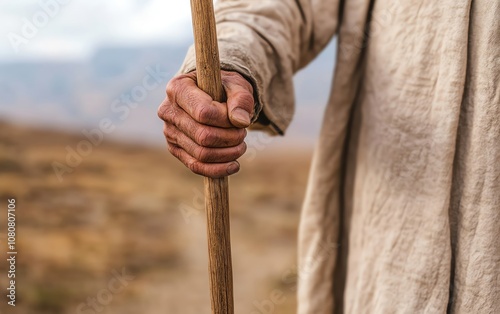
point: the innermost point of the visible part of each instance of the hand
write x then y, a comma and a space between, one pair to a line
205, 135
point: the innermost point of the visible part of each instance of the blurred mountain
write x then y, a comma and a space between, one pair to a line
79, 94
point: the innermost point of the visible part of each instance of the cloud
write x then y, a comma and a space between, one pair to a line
79, 26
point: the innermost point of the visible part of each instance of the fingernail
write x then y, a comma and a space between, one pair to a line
241, 116
233, 168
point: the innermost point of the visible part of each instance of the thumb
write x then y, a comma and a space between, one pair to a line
240, 102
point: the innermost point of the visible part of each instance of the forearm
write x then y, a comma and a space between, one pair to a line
267, 42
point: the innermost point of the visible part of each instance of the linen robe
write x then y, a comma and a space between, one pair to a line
402, 211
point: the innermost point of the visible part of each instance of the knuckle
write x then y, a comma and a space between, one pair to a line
171, 116
172, 87
172, 150
195, 167
184, 90
167, 127
204, 136
176, 86
203, 154
242, 134
169, 134
204, 114
243, 149
166, 111
161, 109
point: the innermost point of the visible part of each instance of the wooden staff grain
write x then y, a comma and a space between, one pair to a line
216, 190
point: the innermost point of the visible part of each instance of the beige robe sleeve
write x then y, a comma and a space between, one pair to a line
267, 41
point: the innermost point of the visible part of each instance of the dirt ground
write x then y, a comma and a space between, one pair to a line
124, 232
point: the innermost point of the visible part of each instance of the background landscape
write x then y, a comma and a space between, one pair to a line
128, 206
76, 94
134, 207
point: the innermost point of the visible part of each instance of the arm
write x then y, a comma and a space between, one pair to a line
262, 44
267, 42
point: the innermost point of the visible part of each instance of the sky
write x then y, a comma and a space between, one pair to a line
71, 29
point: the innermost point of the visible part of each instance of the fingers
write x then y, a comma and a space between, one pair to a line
240, 101
203, 135
238, 112
212, 170
184, 92
205, 150
201, 153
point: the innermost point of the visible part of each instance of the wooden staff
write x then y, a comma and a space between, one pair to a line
216, 190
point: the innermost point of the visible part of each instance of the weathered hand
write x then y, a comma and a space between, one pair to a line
205, 135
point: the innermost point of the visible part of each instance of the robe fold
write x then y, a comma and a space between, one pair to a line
402, 210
